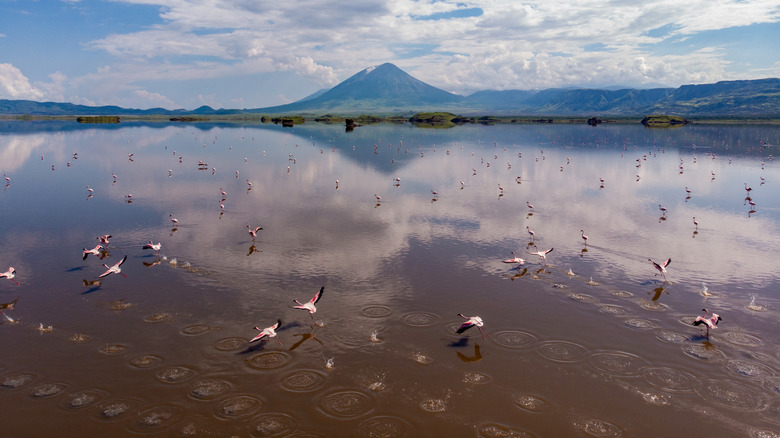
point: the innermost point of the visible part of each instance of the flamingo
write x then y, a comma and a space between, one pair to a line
268, 331
378, 198
154, 246
115, 269
500, 188
662, 208
748, 188
9, 274
529, 205
515, 259
584, 237
710, 323
174, 221
8, 180
695, 222
253, 232
104, 238
687, 190
530, 232
93, 251
222, 192
310, 306
543, 254
662, 267
434, 193
89, 189
471, 321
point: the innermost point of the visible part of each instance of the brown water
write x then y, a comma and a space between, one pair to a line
592, 343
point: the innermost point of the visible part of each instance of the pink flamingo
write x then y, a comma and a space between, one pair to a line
662, 208
748, 188
710, 323
530, 232
695, 222
104, 238
153, 246
584, 237
543, 254
310, 306
515, 259
253, 232
471, 321
174, 221
115, 269
531, 207
9, 274
662, 267
93, 251
268, 331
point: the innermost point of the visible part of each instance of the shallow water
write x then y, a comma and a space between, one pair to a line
590, 342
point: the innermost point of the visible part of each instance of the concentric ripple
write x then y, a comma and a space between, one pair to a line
618, 363
208, 389
639, 323
195, 330
175, 375
475, 378
156, 419
158, 317
585, 298
596, 427
531, 403
731, 394
671, 337
303, 381
702, 352
231, 344
146, 361
113, 349
82, 399
514, 339
346, 404
272, 424
612, 309
670, 379
376, 311
115, 410
747, 368
269, 360
433, 405
239, 406
48, 390
14, 381
384, 426
420, 319
743, 339
655, 306
563, 351
495, 430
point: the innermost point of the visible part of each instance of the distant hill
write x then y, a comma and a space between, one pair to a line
388, 89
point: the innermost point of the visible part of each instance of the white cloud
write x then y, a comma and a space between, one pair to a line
15, 85
155, 99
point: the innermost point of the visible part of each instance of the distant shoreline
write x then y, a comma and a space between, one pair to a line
372, 119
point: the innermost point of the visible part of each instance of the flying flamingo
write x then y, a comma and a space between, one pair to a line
93, 251
710, 323
584, 237
662, 267
10, 274
174, 221
114, 269
515, 259
268, 331
310, 306
253, 232
154, 246
8, 306
104, 238
471, 321
543, 254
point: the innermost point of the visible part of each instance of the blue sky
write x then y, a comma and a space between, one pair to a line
251, 53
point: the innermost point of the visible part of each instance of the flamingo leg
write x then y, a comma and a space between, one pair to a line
277, 340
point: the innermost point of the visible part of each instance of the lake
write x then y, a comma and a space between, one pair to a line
591, 341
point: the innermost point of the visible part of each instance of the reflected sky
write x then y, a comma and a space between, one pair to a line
404, 266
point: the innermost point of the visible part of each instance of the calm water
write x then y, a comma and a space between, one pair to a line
590, 343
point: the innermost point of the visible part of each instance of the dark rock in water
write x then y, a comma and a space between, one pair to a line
593, 121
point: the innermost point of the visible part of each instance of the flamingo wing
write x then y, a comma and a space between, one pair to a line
105, 274
121, 261
465, 326
317, 296
666, 263
259, 336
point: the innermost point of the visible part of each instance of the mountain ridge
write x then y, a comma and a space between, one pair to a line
387, 89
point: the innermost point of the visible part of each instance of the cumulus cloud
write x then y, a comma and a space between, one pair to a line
155, 99
15, 85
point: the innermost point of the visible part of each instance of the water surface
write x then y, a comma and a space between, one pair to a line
590, 342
